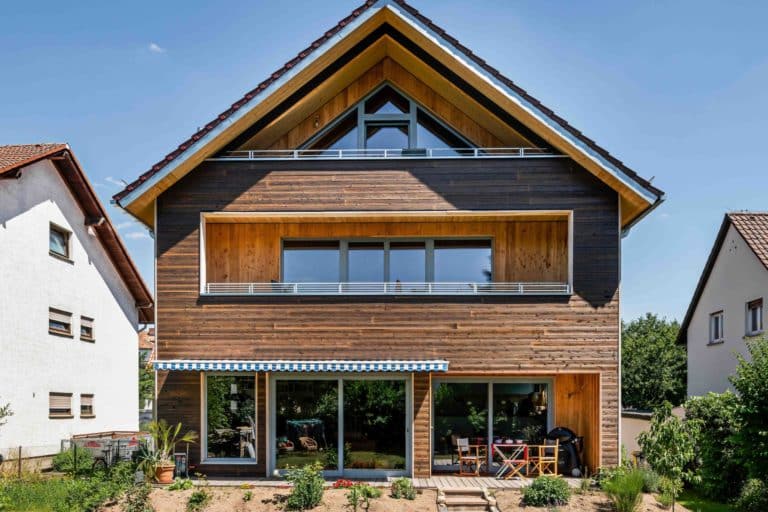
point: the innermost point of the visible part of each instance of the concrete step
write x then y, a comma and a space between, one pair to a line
464, 500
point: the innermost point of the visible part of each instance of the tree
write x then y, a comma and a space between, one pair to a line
751, 383
653, 365
669, 447
146, 380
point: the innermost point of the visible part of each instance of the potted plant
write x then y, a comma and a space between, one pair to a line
159, 461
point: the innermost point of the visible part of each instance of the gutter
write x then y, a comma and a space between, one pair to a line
628, 227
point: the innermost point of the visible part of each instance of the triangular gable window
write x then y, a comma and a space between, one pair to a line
388, 120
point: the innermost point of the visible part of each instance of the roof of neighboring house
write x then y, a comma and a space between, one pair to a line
245, 100
15, 159
753, 228
147, 339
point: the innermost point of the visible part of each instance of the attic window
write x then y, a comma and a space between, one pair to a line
387, 120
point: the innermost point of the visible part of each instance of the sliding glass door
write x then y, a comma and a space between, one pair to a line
356, 426
487, 412
230, 418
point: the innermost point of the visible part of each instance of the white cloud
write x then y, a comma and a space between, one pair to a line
155, 48
116, 182
127, 224
136, 235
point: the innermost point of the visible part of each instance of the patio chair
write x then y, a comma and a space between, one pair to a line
308, 444
513, 465
545, 462
469, 461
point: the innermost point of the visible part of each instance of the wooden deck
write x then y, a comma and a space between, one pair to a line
476, 482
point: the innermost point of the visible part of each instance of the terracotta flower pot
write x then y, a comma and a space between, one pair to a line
164, 474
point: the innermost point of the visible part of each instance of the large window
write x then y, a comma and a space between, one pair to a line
349, 424
486, 413
463, 262
230, 417
388, 120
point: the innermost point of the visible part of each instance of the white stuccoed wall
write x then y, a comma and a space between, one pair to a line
736, 278
34, 362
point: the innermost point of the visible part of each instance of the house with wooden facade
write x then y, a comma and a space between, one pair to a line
383, 248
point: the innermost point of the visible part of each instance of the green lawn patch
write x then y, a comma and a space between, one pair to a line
42, 495
692, 501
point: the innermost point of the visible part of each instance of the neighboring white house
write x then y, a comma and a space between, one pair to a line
71, 301
729, 304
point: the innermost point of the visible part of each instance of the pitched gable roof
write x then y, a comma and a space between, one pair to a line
16, 159
650, 194
753, 228
19, 155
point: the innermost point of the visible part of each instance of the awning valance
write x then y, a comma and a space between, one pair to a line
305, 366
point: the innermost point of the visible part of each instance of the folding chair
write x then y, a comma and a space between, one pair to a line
467, 459
546, 458
512, 465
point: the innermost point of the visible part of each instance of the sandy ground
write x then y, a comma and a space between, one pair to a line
227, 499
510, 501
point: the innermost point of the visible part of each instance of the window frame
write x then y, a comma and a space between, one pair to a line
91, 338
718, 316
92, 414
60, 415
754, 305
60, 332
204, 459
429, 253
388, 119
52, 226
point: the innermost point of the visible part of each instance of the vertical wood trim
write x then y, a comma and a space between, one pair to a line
422, 421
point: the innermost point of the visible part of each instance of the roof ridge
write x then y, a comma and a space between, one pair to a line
591, 144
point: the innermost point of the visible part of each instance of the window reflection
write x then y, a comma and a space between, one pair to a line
366, 262
384, 136
407, 262
311, 262
231, 415
463, 261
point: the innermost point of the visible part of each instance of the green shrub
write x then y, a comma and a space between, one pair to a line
753, 497
137, 499
198, 500
547, 491
307, 491
361, 494
402, 488
722, 473
65, 461
625, 489
665, 500
651, 480
247, 496
181, 484
752, 413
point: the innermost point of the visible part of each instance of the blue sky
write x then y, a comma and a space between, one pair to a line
677, 90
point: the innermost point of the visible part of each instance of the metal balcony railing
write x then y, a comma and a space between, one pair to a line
377, 154
389, 288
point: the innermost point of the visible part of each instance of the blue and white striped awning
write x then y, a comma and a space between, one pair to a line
305, 366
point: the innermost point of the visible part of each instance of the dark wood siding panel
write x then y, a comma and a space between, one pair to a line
531, 335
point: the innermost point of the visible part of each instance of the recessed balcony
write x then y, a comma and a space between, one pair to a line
387, 288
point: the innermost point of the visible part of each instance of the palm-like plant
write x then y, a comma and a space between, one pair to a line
166, 437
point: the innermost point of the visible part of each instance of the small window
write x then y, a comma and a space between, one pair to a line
754, 317
86, 329
59, 322
60, 405
58, 241
86, 406
716, 327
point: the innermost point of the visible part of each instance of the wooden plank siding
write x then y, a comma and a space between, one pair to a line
504, 336
533, 251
